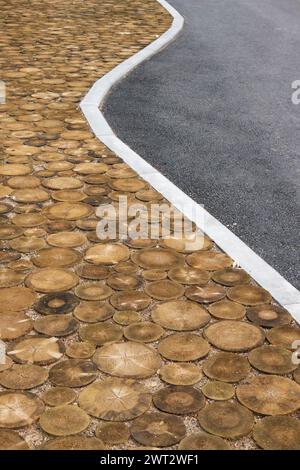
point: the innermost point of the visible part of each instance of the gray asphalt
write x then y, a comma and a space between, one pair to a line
213, 112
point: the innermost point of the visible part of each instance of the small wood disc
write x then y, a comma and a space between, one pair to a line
62, 182
107, 253
164, 290
130, 300
23, 376
56, 257
188, 243
235, 336
52, 280
284, 336
127, 317
113, 433
58, 396
19, 409
249, 295
101, 333
92, 272
73, 443
154, 275
143, 332
226, 367
73, 373
269, 316
277, 433
179, 399
207, 294
124, 281
10, 440
115, 399
227, 310
272, 360
226, 419
36, 350
209, 261
203, 441
132, 360
93, 311
188, 275
80, 350
183, 347
180, 373
56, 304
218, 390
14, 299
69, 211
270, 395
27, 244
13, 325
231, 277
64, 420
180, 315
66, 239
93, 291
157, 258
158, 429
56, 325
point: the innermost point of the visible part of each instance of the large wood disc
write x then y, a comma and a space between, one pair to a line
101, 333
19, 409
92, 272
206, 295
209, 261
66, 239
164, 290
227, 310
183, 347
62, 182
270, 395
143, 332
93, 311
73, 373
21, 182
179, 399
132, 360
30, 195
52, 280
68, 195
64, 420
188, 275
231, 277
277, 433
69, 211
180, 373
235, 336
13, 299
249, 295
57, 304
27, 244
187, 243
23, 376
126, 317
31, 219
57, 396
203, 441
56, 257
124, 281
10, 440
157, 258
73, 443
56, 325
14, 169
226, 419
215, 390
284, 336
14, 324
180, 315
80, 350
158, 429
107, 253
93, 291
269, 316
115, 399
272, 360
226, 367
130, 300
36, 350
113, 433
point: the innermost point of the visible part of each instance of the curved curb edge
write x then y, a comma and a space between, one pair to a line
281, 290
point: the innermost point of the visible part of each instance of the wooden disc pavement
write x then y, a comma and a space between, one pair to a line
93, 291
107, 253
180, 373
113, 433
57, 396
215, 390
130, 300
19, 409
56, 257
73, 373
13, 325
249, 295
226, 367
157, 258
206, 295
13, 299
64, 420
180, 315
230, 277
183, 347
158, 429
235, 336
60, 303
209, 261
36, 350
203, 441
284, 336
126, 317
227, 310
164, 290
277, 433
56, 325
189, 276
179, 399
23, 376
49, 280
93, 311
101, 333
144, 332
269, 316
272, 360
73, 443
10, 440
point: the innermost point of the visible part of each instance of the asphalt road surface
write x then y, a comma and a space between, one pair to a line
213, 112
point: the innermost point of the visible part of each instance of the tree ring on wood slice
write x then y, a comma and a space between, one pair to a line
73, 373
10, 278
179, 399
14, 169
180, 373
107, 253
56, 257
101, 333
56, 325
127, 317
231, 277
124, 281
23, 376
62, 182
30, 195
130, 300
272, 360
113, 433
277, 433
92, 272
188, 275
69, 211
284, 336
80, 350
14, 324
227, 310
59, 303
9, 231
269, 316
209, 261
19, 409
140, 243
93, 311
143, 332
29, 220
183, 347
297, 375
130, 185
180, 315
226, 419
207, 294
73, 443
36, 350
157, 258
27, 244
13, 299
59, 226
10, 440
93, 291
115, 399
235, 336
203, 441
57, 396
216, 390
154, 275
21, 182
64, 420
249, 295
164, 290
270, 395
130, 359
66, 239
158, 429
226, 367
52, 280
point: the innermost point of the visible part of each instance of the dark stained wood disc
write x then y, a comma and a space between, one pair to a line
235, 336
66, 239
231, 277
269, 315
73, 373
59, 303
101, 333
124, 281
272, 360
207, 294
157, 258
23, 376
36, 350
58, 396
73, 443
93, 311
19, 409
203, 441
107, 253
158, 429
226, 367
183, 347
13, 299
113, 433
92, 272
130, 300
277, 433
180, 315
126, 317
209, 261
180, 373
284, 336
227, 310
10, 440
13, 325
93, 291
49, 280
189, 276
143, 332
56, 325
64, 420
80, 350
56, 257
249, 295
179, 399
215, 390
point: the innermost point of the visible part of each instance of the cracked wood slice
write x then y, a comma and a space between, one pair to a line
93, 311
56, 257
180, 315
9, 231
92, 272
57, 396
36, 350
183, 347
157, 258
203, 441
230, 277
56, 325
227, 310
57, 304
164, 290
189, 276
277, 433
226, 419
144, 332
206, 295
209, 261
19, 409
226, 367
113, 433
13, 299
66, 239
80, 350
115, 399
269, 316
270, 395
64, 420
10, 440
49, 280
73, 443
188, 243
180, 373
179, 399
158, 429
13, 325
249, 295
154, 275
27, 244
93, 291
216, 390
62, 182
130, 359
107, 253
235, 336
126, 317
69, 210
284, 336
101, 333
272, 360
73, 373
23, 376
124, 281
130, 300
